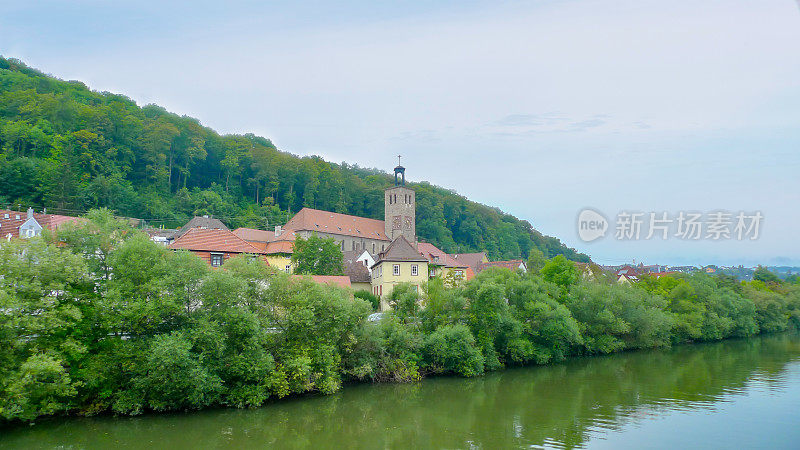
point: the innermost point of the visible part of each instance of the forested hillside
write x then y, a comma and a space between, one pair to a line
67, 148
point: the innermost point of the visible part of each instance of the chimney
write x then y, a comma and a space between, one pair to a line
44, 211
30, 213
278, 230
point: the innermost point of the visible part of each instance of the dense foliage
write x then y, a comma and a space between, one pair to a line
67, 148
99, 318
317, 256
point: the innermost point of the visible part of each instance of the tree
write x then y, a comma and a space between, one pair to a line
561, 271
536, 261
763, 274
317, 256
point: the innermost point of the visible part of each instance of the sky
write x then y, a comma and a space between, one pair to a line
541, 108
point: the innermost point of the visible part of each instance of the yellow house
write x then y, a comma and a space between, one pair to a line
279, 255
399, 263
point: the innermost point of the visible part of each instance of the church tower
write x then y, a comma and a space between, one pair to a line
400, 217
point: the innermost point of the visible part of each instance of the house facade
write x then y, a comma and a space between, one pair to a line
400, 263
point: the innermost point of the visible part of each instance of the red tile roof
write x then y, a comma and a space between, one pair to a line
471, 260
329, 222
333, 280
51, 222
204, 239
253, 235
284, 246
511, 264
437, 257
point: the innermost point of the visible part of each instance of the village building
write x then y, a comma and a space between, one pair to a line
627, 275
471, 260
15, 224
214, 246
279, 254
399, 263
349, 232
443, 265
360, 275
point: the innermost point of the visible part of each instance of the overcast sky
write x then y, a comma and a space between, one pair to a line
541, 108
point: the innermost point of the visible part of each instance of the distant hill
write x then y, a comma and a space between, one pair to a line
68, 148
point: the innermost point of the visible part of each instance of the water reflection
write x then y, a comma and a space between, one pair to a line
560, 406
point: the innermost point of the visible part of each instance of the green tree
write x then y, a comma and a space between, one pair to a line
560, 271
317, 256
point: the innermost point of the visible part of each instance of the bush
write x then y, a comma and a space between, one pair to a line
452, 349
369, 297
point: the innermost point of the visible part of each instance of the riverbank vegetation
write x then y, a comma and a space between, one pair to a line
97, 318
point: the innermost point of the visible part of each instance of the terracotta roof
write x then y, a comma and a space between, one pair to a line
512, 264
400, 250
285, 246
203, 239
11, 224
253, 235
471, 260
333, 280
202, 222
437, 257
329, 222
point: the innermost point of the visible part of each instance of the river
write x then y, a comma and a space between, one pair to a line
734, 394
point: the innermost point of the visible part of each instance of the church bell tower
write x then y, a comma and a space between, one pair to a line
400, 208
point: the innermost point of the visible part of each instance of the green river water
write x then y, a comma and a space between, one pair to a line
735, 394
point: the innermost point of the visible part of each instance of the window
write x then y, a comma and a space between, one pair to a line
373, 248
459, 274
216, 259
342, 244
288, 268
396, 269
414, 270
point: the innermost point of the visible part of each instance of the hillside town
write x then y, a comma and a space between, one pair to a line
376, 254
